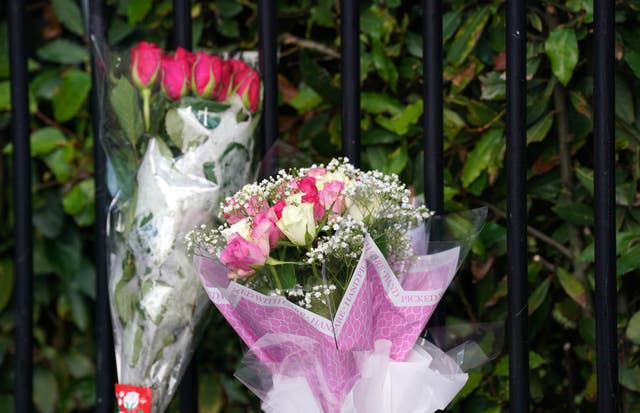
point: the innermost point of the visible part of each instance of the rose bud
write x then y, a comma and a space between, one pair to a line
222, 90
249, 90
175, 72
184, 54
240, 72
145, 62
207, 72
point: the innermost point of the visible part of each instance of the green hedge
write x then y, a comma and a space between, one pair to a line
560, 175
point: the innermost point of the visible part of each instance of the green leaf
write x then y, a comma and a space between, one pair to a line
378, 103
384, 65
629, 261
45, 140
378, 136
539, 130
5, 95
209, 170
229, 28
71, 96
632, 57
69, 15
60, 163
633, 328
63, 51
467, 36
629, 377
575, 213
488, 150
45, 390
453, 123
287, 274
450, 23
400, 123
624, 100
492, 87
48, 215
538, 296
6, 283
125, 103
137, 10
306, 100
228, 8
562, 48
573, 287
79, 310
79, 203
318, 79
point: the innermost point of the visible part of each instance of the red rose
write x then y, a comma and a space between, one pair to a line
206, 75
145, 62
176, 73
222, 90
249, 90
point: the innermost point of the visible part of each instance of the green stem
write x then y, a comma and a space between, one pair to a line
146, 101
276, 278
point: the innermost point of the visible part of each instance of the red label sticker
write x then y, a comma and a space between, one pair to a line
133, 399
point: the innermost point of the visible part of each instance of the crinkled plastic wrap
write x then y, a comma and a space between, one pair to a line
164, 181
369, 356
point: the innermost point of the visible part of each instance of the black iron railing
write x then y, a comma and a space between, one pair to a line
605, 294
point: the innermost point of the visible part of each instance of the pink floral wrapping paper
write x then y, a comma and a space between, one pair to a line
376, 306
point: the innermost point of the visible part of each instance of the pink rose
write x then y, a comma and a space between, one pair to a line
145, 63
256, 205
278, 207
331, 196
241, 255
317, 171
176, 73
249, 90
221, 92
264, 227
239, 71
207, 72
307, 185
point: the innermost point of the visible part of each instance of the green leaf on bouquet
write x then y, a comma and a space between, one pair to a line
124, 301
287, 274
125, 103
137, 346
209, 170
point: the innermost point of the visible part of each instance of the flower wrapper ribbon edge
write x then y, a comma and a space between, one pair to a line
374, 307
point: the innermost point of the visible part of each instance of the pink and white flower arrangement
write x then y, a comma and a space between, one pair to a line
324, 273
300, 234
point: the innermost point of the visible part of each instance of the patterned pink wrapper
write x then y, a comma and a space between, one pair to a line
376, 306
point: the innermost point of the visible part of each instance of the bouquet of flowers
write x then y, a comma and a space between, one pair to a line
178, 129
324, 274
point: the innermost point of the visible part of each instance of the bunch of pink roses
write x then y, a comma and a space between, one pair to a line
201, 74
300, 234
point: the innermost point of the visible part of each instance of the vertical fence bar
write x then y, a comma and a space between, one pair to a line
350, 79
432, 119
105, 377
21, 206
516, 205
182, 37
604, 172
267, 34
182, 23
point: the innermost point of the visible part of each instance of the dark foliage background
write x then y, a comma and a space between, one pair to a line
560, 184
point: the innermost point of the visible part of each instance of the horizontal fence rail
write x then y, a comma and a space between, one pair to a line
515, 164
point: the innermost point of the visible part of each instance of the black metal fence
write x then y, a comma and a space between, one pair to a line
603, 103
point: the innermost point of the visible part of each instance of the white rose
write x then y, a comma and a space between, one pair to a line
296, 222
131, 400
358, 211
242, 227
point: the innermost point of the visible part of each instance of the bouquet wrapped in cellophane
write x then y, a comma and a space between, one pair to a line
178, 129
324, 273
